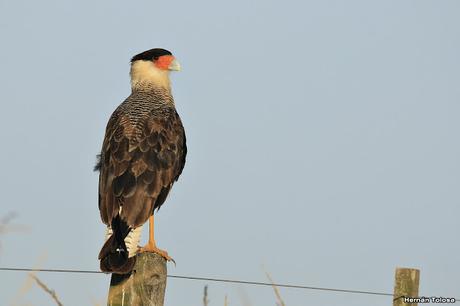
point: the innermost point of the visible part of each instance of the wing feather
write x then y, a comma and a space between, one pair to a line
139, 165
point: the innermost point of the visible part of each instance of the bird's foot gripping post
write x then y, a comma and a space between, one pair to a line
151, 247
144, 286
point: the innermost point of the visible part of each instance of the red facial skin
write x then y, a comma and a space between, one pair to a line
164, 61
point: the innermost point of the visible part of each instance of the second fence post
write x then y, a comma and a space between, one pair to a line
406, 286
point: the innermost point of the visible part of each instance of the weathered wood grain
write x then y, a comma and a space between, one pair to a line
406, 285
145, 286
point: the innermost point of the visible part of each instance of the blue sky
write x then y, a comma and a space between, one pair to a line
322, 135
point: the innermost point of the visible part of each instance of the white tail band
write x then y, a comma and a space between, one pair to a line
131, 240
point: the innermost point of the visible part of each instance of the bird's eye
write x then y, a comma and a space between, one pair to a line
155, 58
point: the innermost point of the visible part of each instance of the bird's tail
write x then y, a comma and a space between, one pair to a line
118, 254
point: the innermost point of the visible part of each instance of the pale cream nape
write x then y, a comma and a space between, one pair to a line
144, 73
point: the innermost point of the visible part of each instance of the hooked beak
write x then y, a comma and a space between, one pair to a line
174, 65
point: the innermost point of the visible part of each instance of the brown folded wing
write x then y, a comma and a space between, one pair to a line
139, 164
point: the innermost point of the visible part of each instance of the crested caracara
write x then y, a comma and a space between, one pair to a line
143, 154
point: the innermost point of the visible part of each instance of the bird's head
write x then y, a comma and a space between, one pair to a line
152, 67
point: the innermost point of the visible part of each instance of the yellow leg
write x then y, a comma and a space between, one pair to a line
151, 229
151, 245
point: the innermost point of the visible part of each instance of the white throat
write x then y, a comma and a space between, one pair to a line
145, 73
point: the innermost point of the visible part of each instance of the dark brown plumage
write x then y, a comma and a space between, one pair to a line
142, 155
139, 163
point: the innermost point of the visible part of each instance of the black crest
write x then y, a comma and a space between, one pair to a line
151, 54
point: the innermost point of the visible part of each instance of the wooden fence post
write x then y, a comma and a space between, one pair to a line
406, 285
145, 286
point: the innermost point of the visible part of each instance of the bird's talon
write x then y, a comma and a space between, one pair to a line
151, 248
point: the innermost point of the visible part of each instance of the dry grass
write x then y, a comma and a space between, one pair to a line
51, 292
205, 296
28, 282
279, 299
4, 221
7, 227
